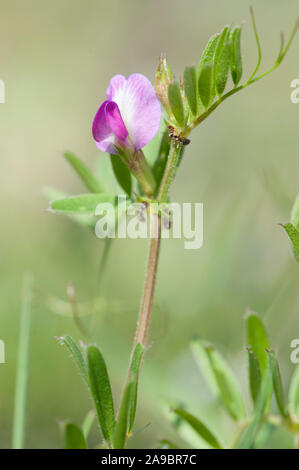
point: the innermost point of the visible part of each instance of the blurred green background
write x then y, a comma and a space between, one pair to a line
56, 60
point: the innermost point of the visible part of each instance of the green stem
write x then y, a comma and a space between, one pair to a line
145, 179
142, 172
169, 172
257, 43
146, 305
147, 298
19, 418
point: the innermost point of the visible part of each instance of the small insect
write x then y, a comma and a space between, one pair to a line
178, 139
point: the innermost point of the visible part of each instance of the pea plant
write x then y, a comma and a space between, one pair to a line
264, 380
126, 121
252, 430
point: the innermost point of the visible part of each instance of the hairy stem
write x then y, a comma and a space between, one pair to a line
169, 172
153, 254
147, 298
146, 306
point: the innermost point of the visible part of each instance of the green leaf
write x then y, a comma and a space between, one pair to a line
208, 54
122, 174
202, 359
255, 377
73, 437
88, 422
176, 103
220, 378
190, 86
247, 440
120, 433
84, 220
75, 353
134, 376
294, 394
161, 160
293, 235
198, 427
83, 204
295, 214
236, 66
257, 340
100, 388
230, 393
222, 60
84, 173
277, 384
206, 85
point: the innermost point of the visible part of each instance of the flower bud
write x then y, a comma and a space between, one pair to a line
163, 79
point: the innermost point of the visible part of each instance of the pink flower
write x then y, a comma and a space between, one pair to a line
130, 117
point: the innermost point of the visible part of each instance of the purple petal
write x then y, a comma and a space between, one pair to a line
138, 105
100, 127
108, 127
115, 121
116, 85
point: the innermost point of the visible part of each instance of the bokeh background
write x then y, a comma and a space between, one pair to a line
56, 59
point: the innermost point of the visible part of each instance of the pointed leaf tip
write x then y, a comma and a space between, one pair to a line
75, 352
220, 377
200, 428
206, 85
122, 174
277, 383
222, 60
82, 204
236, 56
293, 235
74, 437
257, 339
91, 183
